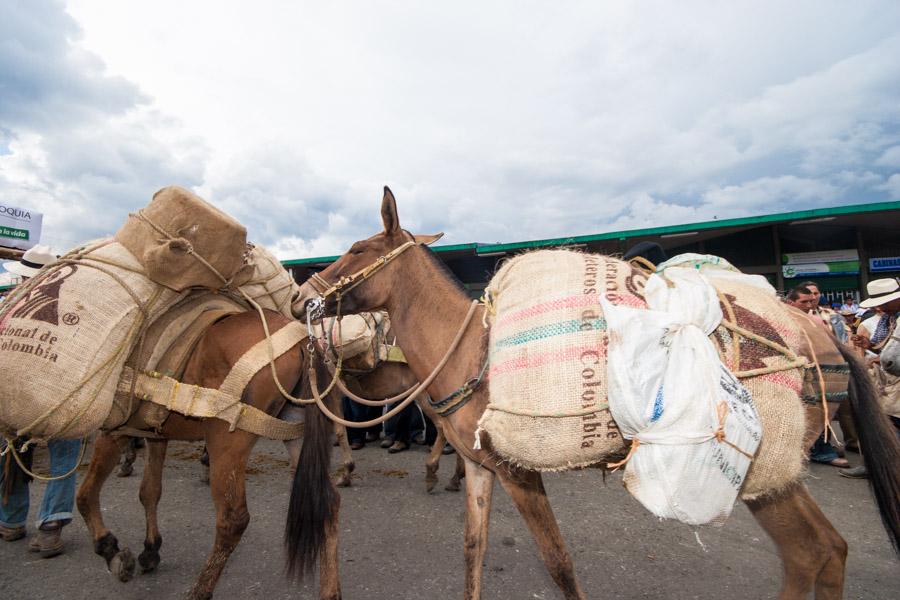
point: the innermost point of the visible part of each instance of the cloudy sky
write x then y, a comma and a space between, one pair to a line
491, 121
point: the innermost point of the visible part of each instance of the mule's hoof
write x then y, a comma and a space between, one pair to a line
204, 475
453, 486
429, 484
122, 565
343, 481
148, 560
125, 470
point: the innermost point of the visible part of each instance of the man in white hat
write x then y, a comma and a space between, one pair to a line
871, 336
59, 495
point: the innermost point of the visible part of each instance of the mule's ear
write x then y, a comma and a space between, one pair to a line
389, 212
428, 239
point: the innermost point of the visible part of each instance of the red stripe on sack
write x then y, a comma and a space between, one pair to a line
783, 379
545, 307
538, 360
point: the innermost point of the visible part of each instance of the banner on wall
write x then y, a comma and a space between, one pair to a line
846, 267
19, 227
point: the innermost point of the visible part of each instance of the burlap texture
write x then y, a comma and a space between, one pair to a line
547, 352
268, 282
781, 455
359, 339
192, 223
63, 345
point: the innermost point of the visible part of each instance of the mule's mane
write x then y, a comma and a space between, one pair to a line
445, 270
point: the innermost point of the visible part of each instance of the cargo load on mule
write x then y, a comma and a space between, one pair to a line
363, 341
549, 376
99, 338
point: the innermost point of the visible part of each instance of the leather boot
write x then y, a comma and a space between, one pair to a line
48, 540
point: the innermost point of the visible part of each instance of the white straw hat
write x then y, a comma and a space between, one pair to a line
881, 291
31, 262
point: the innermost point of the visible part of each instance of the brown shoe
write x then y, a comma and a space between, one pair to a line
398, 446
48, 540
357, 446
11, 534
387, 442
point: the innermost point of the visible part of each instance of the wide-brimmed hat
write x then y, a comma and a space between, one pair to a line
31, 262
881, 291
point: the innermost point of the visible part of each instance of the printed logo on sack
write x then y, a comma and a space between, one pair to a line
42, 304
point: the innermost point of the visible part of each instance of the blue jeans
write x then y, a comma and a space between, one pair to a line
822, 451
59, 497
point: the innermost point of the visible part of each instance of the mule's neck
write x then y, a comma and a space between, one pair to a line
427, 309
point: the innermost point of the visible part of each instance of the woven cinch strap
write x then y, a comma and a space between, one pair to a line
224, 403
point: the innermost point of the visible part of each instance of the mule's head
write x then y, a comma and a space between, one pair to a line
364, 276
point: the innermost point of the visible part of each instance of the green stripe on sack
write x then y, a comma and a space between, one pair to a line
551, 330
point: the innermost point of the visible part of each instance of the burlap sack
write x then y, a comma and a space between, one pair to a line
268, 282
547, 354
781, 455
174, 222
888, 390
358, 339
65, 337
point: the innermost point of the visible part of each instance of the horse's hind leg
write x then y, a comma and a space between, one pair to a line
127, 466
453, 485
526, 489
340, 432
434, 460
104, 459
151, 490
812, 552
228, 453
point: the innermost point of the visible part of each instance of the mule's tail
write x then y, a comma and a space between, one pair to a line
314, 500
878, 442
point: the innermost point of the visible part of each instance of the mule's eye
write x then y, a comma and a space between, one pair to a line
356, 250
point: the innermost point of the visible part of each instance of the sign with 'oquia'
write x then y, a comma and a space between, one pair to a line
19, 227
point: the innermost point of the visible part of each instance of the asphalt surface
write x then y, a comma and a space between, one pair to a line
398, 542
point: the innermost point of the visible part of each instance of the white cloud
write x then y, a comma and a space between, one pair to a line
491, 121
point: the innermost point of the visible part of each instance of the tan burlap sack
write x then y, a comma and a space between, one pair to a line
268, 283
781, 455
65, 336
888, 390
358, 339
548, 354
174, 229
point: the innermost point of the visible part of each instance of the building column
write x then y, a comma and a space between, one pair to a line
779, 273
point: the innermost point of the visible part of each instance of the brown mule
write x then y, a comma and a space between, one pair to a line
219, 349
427, 308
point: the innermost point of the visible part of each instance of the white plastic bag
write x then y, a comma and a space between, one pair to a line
694, 425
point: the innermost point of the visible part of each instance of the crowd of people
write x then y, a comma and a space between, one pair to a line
866, 326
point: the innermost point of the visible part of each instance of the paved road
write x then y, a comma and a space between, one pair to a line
397, 542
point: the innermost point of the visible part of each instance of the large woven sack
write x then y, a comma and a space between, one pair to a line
548, 355
177, 227
64, 337
268, 282
357, 338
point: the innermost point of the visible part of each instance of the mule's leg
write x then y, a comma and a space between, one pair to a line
104, 458
228, 453
340, 432
151, 490
453, 485
812, 552
434, 460
479, 489
526, 488
329, 580
127, 466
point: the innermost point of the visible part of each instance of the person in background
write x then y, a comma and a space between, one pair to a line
874, 331
849, 304
59, 495
804, 298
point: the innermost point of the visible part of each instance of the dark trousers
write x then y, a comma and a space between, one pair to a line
354, 411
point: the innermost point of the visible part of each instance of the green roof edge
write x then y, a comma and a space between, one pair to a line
630, 233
